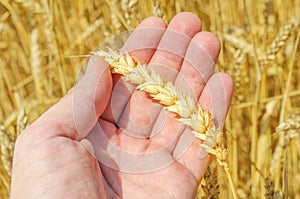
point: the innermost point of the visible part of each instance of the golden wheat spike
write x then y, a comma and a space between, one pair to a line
278, 43
174, 101
166, 94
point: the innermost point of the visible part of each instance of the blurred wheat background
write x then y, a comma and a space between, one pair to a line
40, 41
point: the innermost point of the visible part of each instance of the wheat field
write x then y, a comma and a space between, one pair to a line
41, 43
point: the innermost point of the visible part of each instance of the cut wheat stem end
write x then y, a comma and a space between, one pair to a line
173, 100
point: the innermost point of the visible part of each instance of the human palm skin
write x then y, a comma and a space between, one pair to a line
53, 159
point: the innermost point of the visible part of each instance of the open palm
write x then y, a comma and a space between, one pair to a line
141, 150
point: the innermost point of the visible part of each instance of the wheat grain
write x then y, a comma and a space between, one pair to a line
211, 187
270, 191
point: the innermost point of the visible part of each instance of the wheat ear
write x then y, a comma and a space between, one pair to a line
270, 190
166, 94
211, 187
172, 100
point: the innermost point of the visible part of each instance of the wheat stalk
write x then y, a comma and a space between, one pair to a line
172, 100
22, 122
89, 30
35, 55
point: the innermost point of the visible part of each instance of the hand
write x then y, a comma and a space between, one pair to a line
55, 156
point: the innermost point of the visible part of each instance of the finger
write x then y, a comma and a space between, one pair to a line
174, 43
199, 64
77, 112
143, 42
197, 67
216, 98
141, 112
141, 45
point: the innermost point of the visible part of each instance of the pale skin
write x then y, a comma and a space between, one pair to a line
51, 160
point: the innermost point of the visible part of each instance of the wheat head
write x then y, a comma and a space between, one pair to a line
173, 100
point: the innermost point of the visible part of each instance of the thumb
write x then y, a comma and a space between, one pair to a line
77, 112
91, 95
